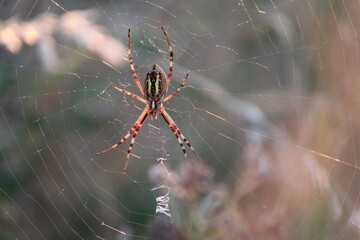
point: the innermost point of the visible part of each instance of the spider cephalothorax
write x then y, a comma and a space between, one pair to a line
154, 92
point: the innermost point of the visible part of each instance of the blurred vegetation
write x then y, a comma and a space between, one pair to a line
271, 106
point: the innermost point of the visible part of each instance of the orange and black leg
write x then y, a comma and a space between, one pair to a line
134, 130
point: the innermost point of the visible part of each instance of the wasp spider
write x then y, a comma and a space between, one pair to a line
154, 93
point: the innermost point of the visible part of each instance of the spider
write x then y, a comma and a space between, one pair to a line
154, 92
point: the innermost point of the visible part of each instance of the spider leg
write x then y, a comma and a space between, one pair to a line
132, 66
187, 143
134, 130
131, 146
177, 133
178, 90
171, 58
129, 93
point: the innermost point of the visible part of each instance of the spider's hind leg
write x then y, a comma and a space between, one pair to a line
168, 79
130, 58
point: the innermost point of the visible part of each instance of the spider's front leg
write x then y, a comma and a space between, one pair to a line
134, 130
177, 133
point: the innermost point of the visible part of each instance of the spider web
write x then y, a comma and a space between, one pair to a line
270, 105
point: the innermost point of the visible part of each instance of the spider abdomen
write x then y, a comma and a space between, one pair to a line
155, 84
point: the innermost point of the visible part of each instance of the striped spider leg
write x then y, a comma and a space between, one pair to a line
133, 132
168, 79
154, 93
177, 133
132, 66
